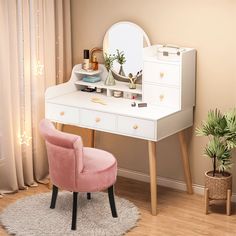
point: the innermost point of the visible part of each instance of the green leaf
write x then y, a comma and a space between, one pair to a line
230, 143
230, 117
215, 125
108, 60
120, 57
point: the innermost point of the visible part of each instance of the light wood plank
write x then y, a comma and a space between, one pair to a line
185, 160
178, 213
153, 175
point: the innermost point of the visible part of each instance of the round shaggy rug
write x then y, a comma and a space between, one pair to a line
31, 216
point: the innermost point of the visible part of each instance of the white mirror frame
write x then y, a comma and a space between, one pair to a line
105, 47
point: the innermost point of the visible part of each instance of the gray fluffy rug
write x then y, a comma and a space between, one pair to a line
31, 216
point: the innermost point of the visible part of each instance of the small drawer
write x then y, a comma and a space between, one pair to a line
136, 127
99, 120
161, 73
62, 114
161, 96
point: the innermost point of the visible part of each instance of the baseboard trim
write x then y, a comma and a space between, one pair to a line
162, 181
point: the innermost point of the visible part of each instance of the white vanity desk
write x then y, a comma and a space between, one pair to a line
66, 104
168, 87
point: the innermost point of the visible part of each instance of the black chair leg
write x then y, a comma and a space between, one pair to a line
54, 196
74, 211
89, 196
112, 201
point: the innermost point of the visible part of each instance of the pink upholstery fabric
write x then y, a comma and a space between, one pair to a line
73, 167
100, 170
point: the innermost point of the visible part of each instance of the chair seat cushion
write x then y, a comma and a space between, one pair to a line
99, 172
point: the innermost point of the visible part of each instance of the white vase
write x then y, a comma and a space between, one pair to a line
110, 81
121, 71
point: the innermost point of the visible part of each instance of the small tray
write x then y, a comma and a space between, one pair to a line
91, 79
87, 72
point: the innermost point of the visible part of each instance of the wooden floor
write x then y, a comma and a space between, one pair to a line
178, 213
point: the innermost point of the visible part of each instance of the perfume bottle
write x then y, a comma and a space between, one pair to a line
85, 65
94, 63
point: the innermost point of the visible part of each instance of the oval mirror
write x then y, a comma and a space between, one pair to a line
129, 40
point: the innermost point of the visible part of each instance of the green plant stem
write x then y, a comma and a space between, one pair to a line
214, 166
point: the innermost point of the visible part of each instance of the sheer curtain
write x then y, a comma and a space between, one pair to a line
35, 52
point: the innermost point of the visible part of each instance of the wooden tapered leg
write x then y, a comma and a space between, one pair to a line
206, 195
185, 160
228, 202
74, 211
112, 201
54, 196
91, 138
49, 184
59, 126
153, 175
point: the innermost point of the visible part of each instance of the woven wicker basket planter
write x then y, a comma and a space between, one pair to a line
218, 186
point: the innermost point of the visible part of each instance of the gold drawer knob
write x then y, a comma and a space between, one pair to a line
62, 113
97, 119
135, 127
161, 97
162, 74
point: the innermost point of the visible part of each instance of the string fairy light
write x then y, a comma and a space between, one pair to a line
39, 67
24, 139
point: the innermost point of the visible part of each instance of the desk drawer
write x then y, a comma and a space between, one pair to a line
161, 95
136, 127
166, 74
62, 114
99, 120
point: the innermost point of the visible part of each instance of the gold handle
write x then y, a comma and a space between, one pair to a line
135, 127
162, 74
161, 97
97, 119
62, 113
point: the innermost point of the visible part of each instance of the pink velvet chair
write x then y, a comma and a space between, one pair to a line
75, 168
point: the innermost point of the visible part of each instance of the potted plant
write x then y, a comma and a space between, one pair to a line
108, 61
221, 131
120, 57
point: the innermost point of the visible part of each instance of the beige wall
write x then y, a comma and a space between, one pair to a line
207, 25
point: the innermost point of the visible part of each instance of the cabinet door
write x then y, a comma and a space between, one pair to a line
161, 95
161, 73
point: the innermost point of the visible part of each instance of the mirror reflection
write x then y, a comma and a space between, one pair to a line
125, 42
